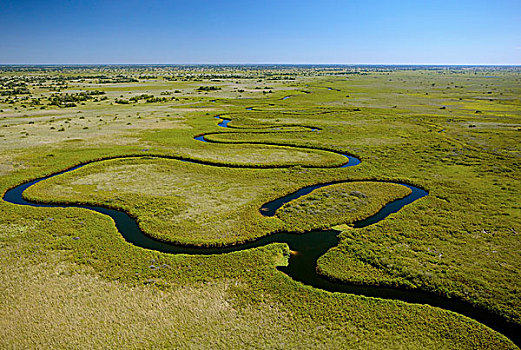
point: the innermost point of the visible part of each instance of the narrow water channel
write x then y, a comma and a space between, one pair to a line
306, 248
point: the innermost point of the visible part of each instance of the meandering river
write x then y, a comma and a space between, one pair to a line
306, 247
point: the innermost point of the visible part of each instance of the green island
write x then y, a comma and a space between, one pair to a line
193, 153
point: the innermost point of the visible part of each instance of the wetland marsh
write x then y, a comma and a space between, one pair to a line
453, 131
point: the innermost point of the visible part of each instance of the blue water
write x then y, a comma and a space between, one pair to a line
351, 160
224, 122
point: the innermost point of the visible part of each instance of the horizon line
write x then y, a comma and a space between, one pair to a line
268, 64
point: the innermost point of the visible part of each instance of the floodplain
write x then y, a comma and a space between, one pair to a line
69, 278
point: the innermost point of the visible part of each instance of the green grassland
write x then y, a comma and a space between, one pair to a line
339, 204
69, 280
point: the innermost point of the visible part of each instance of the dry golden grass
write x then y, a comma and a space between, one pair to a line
60, 306
93, 126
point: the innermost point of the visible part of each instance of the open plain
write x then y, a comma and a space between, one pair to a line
152, 143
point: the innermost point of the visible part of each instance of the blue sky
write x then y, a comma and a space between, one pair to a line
243, 31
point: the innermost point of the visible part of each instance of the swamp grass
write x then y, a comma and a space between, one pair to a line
461, 240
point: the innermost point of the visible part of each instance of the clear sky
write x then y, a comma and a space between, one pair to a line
243, 31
